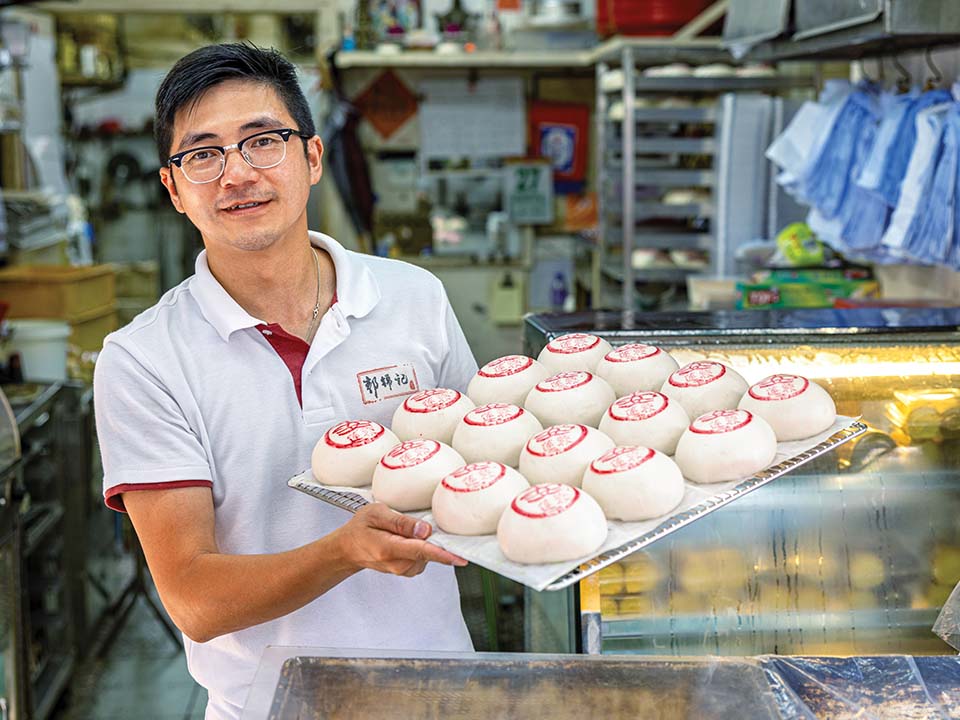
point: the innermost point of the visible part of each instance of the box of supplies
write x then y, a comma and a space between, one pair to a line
56, 291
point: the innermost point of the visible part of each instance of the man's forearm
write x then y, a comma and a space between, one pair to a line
219, 594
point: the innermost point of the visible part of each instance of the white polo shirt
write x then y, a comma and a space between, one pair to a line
195, 391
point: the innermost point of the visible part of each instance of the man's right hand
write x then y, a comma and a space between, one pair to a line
381, 539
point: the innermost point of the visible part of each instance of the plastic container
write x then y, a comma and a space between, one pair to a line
42, 345
651, 17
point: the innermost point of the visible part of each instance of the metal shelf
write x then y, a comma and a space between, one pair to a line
659, 210
714, 85
685, 146
38, 523
654, 274
678, 115
675, 178
664, 239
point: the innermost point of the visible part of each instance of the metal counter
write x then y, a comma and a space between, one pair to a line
312, 683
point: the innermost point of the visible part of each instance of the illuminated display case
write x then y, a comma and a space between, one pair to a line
851, 554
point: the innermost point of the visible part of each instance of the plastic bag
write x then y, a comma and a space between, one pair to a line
892, 109
929, 129
947, 625
829, 179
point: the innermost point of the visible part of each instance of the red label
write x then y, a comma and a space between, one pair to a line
697, 374
721, 421
632, 353
505, 366
410, 453
492, 414
565, 381
621, 459
556, 440
547, 500
638, 406
431, 400
779, 387
573, 343
474, 477
353, 433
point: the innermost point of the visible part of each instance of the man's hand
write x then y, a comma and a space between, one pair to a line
386, 541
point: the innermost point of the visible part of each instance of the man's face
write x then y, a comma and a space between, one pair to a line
226, 114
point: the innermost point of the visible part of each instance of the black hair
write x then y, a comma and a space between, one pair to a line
199, 71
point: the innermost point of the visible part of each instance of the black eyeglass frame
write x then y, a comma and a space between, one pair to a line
284, 133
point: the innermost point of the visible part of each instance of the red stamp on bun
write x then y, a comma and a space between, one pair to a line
697, 374
505, 366
547, 500
556, 440
721, 421
492, 414
474, 477
565, 381
573, 343
621, 459
638, 406
410, 454
429, 401
779, 387
353, 434
632, 353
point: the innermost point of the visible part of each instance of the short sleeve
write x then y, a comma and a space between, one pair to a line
145, 440
458, 366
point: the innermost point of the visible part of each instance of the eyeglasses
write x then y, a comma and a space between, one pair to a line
261, 150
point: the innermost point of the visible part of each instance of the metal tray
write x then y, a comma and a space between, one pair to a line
624, 538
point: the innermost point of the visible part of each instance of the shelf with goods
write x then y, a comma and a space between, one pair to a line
683, 134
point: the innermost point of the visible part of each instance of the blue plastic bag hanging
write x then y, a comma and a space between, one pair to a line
901, 148
928, 132
929, 237
829, 178
892, 108
802, 140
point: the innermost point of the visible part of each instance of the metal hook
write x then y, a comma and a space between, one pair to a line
937, 78
905, 79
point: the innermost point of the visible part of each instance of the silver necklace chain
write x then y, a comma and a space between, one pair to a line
316, 308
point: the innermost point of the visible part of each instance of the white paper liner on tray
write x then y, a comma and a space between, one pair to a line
623, 538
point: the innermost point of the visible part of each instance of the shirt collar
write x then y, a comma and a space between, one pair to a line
357, 289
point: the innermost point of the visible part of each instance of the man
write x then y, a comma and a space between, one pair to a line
210, 401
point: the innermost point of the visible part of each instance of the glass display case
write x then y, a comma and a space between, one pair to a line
851, 554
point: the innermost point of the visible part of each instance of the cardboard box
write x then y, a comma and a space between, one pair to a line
59, 292
772, 295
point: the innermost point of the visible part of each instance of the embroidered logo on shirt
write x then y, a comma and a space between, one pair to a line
383, 383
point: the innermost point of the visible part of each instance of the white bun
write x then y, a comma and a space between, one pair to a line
551, 523
648, 418
635, 367
572, 352
561, 454
471, 499
507, 379
347, 453
408, 473
430, 414
794, 406
496, 431
634, 483
725, 445
570, 397
704, 386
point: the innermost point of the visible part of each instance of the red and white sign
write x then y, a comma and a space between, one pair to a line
474, 477
573, 343
410, 454
632, 353
492, 414
547, 500
697, 374
638, 406
721, 421
565, 381
505, 366
353, 434
779, 387
556, 440
621, 459
430, 401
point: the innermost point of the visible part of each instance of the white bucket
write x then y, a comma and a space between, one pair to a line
42, 345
